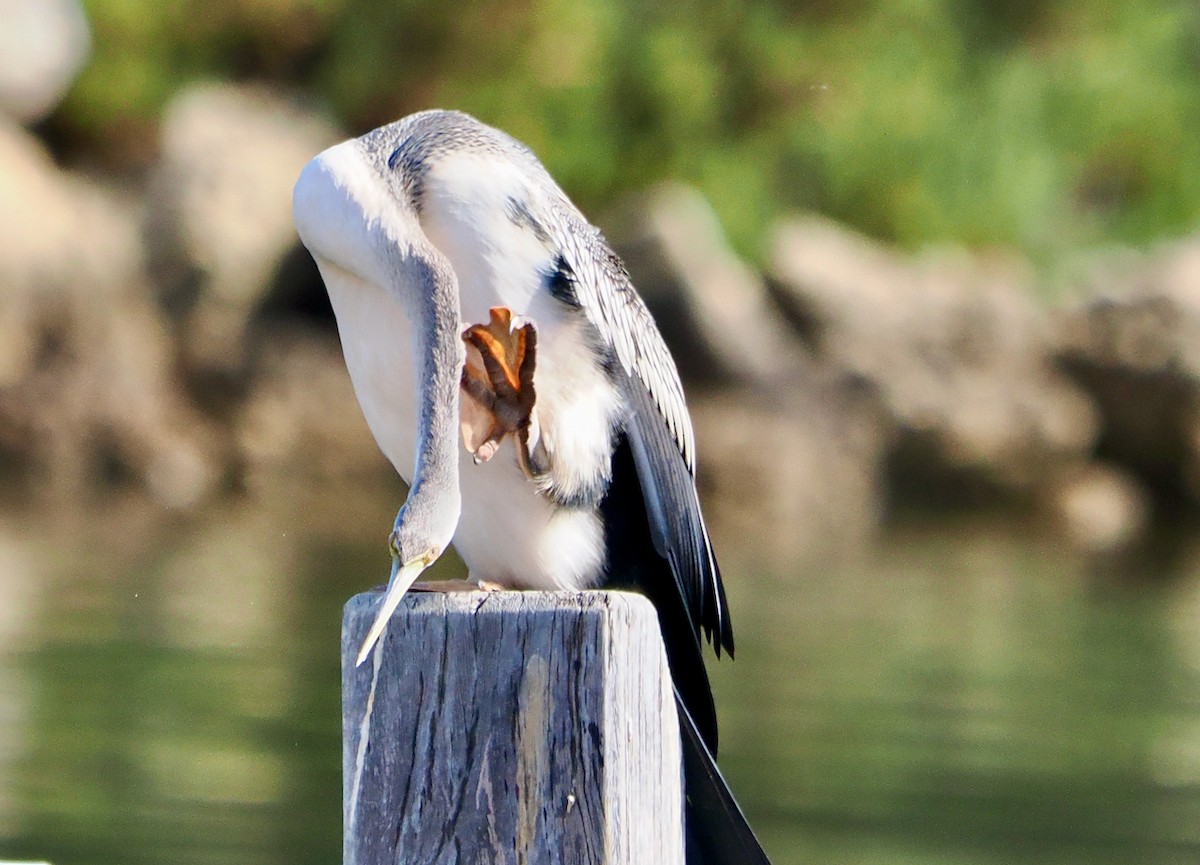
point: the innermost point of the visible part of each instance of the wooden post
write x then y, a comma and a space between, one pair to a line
510, 728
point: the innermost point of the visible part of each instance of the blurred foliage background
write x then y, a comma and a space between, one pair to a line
1045, 125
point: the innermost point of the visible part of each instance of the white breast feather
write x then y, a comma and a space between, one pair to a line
508, 532
500, 263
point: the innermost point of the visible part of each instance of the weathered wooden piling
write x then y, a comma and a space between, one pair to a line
510, 727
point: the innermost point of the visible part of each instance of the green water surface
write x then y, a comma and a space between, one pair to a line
965, 694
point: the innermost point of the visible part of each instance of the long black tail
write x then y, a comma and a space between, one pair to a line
715, 829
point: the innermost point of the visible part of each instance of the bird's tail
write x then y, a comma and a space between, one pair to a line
716, 831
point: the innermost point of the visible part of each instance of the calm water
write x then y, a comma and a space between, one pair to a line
964, 694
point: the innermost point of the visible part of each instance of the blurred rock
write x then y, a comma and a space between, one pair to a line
790, 475
1134, 345
301, 416
713, 309
21, 593
953, 347
1100, 507
788, 463
219, 219
86, 384
43, 45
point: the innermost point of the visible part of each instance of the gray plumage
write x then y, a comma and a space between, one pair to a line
621, 328
434, 221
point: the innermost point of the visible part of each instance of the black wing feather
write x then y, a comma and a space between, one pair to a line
634, 561
676, 523
657, 422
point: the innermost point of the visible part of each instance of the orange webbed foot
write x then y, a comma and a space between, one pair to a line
498, 382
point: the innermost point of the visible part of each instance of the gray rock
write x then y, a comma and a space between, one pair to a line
43, 45
953, 347
219, 219
1134, 345
301, 416
790, 475
86, 384
788, 463
1099, 507
713, 309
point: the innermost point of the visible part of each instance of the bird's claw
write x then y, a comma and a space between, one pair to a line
498, 381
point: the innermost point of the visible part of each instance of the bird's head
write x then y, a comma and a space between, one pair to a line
424, 528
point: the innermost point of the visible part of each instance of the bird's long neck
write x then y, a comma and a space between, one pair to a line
439, 356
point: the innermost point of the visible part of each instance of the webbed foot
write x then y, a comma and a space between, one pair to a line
498, 382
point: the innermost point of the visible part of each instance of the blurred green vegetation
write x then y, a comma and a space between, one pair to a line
1045, 125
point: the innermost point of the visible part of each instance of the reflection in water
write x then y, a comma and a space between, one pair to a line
168, 693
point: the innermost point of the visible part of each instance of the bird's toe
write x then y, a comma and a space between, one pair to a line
497, 381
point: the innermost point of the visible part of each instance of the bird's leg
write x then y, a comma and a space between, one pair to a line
530, 450
498, 379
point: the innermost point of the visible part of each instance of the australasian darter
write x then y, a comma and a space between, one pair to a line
436, 220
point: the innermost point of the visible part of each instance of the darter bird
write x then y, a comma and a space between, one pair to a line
436, 220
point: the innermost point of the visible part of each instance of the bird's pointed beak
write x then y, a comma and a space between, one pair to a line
402, 579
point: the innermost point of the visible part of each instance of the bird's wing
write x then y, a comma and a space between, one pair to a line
658, 426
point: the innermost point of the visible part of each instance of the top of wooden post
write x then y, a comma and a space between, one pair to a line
511, 727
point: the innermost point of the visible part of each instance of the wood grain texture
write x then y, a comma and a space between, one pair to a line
510, 727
